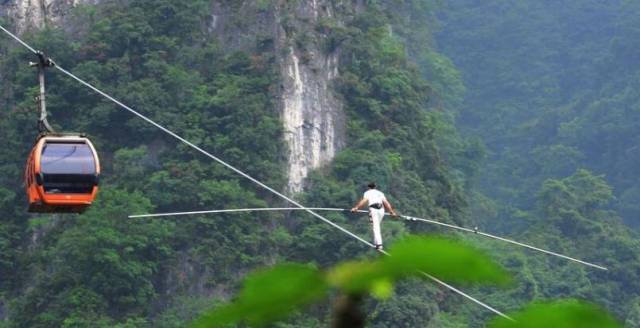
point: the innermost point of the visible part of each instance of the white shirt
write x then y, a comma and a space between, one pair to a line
374, 196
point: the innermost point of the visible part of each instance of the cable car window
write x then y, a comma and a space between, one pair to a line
69, 183
68, 168
61, 158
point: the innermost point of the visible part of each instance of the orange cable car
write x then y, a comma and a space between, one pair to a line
62, 170
62, 174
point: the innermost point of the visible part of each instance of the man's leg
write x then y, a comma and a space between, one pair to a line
376, 219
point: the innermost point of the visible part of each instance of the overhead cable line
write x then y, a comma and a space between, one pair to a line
241, 173
476, 231
406, 217
18, 39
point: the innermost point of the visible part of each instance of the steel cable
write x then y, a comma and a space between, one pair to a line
406, 217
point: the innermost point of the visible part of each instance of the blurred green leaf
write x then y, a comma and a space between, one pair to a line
562, 314
446, 259
269, 295
382, 288
443, 258
356, 277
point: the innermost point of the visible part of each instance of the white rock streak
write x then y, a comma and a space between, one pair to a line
37, 13
28, 13
293, 125
309, 116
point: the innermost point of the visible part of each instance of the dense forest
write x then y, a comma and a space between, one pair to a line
550, 91
517, 117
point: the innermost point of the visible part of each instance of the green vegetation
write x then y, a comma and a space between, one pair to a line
559, 120
101, 269
551, 91
276, 292
559, 314
269, 295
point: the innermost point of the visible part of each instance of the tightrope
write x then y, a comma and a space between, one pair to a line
406, 217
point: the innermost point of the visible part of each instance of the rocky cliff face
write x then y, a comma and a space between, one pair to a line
37, 13
311, 114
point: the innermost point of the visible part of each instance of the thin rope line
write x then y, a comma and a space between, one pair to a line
511, 242
319, 209
544, 251
148, 120
266, 209
18, 39
458, 291
406, 217
467, 296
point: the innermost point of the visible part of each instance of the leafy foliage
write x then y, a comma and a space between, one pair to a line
569, 313
274, 293
414, 256
269, 295
100, 269
400, 96
559, 119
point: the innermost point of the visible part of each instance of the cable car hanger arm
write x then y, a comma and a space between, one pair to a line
43, 63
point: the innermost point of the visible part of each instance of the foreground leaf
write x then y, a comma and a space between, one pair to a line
562, 314
269, 295
446, 259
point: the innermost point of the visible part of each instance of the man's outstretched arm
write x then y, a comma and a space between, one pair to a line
389, 208
358, 205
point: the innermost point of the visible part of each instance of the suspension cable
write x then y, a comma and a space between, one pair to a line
43, 62
234, 210
18, 39
476, 231
241, 173
270, 209
406, 217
